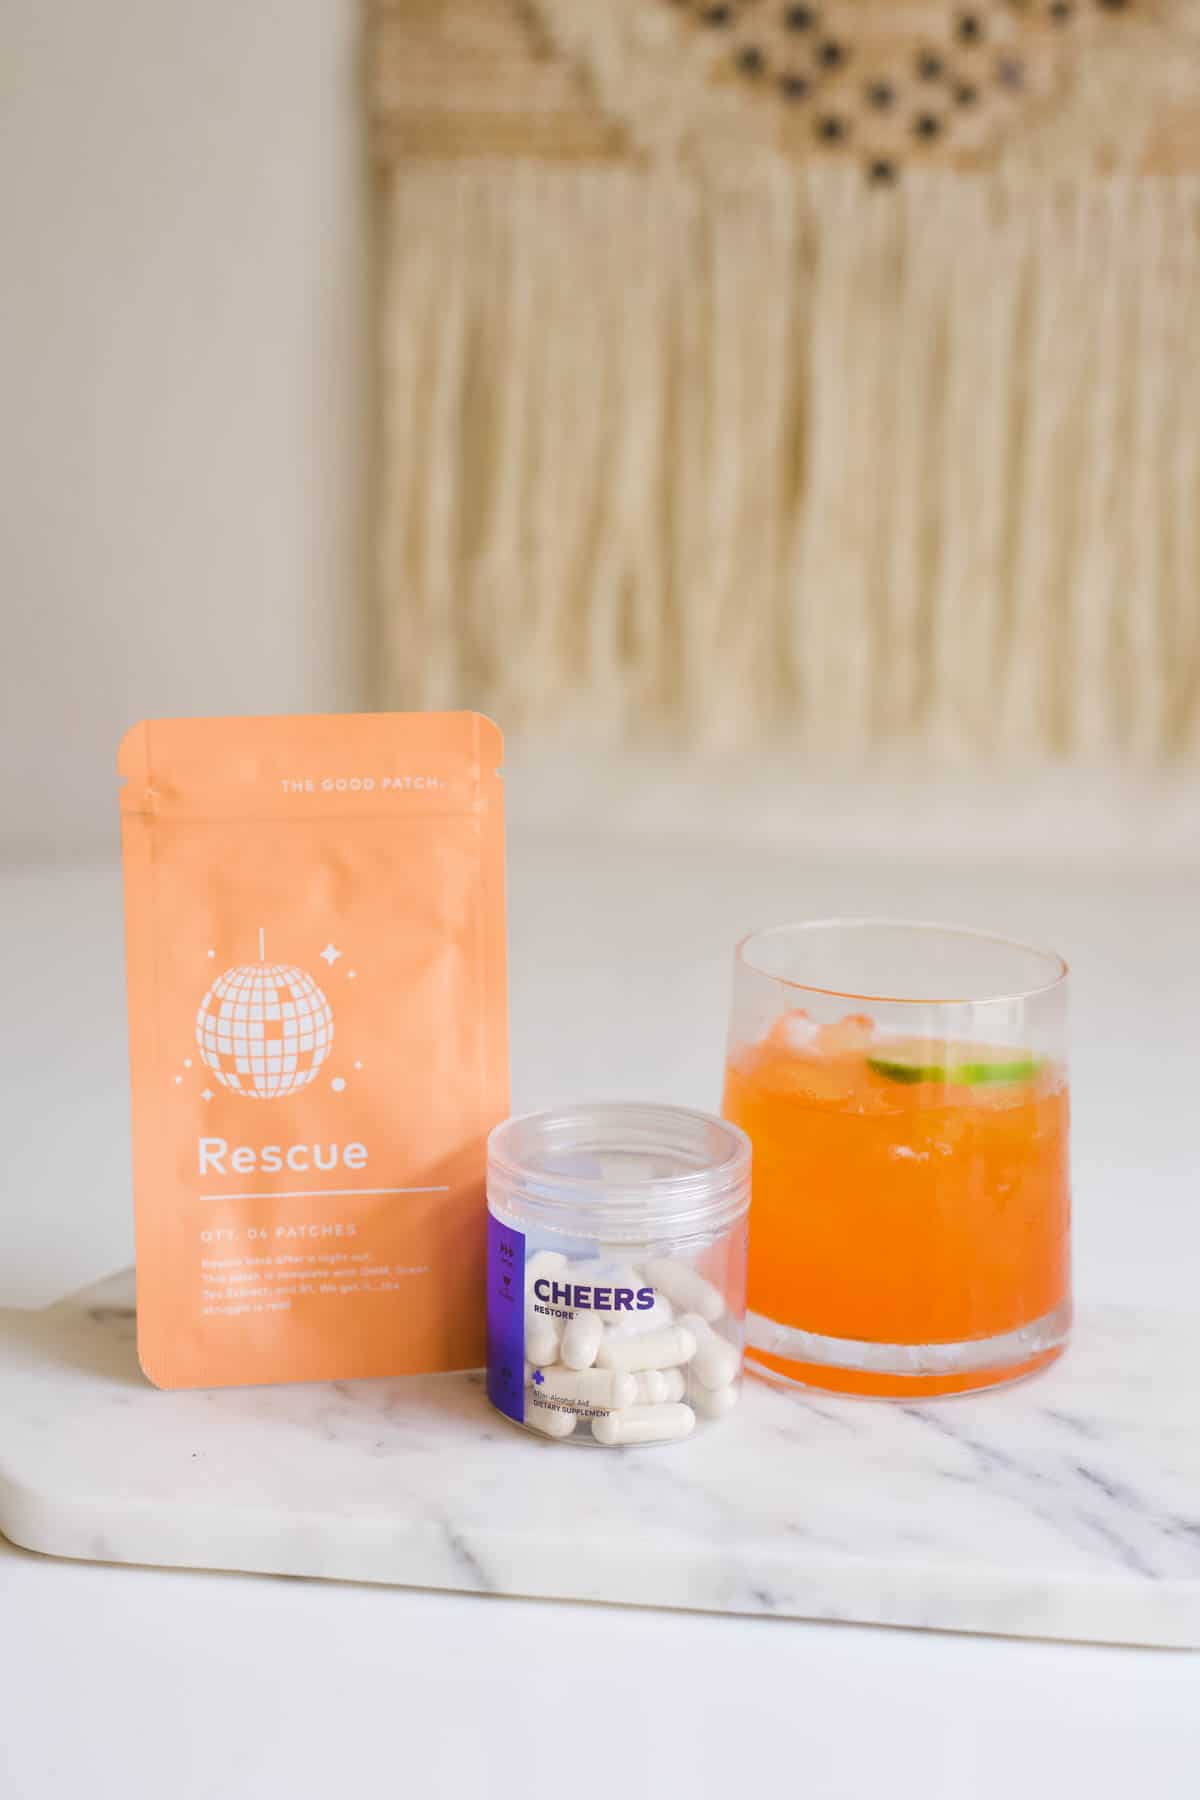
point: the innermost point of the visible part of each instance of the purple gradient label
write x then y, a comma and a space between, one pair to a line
506, 1319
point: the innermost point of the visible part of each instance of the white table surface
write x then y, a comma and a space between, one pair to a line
139, 1682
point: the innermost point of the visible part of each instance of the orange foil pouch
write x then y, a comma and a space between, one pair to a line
314, 916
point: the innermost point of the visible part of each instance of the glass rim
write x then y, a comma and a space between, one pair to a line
925, 927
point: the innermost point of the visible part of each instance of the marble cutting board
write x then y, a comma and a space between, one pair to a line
1063, 1507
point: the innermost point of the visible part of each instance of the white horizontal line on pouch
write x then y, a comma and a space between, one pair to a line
322, 1193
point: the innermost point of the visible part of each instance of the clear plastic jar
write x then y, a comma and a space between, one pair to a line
616, 1272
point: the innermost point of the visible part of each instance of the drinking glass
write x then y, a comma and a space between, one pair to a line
904, 1088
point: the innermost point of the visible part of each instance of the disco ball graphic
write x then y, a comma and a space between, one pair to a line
264, 1029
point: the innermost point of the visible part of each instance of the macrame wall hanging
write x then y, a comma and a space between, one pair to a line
824, 375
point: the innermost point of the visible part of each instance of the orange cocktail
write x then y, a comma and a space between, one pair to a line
911, 1197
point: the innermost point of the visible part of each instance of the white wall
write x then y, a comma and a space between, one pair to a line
183, 381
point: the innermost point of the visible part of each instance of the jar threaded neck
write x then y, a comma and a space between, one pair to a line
622, 1171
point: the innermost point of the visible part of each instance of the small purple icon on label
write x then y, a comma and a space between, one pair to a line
538, 1378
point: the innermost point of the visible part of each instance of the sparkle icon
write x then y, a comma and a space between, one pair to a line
208, 1094
330, 954
538, 1378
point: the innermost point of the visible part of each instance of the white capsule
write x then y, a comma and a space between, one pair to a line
684, 1287
644, 1425
614, 1256
657, 1350
603, 1273
541, 1338
652, 1387
605, 1278
714, 1403
658, 1387
674, 1385
581, 1338
551, 1420
572, 1274
639, 1320
590, 1387
543, 1262
717, 1361
633, 1321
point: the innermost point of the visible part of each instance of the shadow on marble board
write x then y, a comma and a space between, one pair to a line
99, 1341
94, 1333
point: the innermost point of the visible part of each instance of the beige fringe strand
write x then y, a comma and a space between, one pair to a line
673, 460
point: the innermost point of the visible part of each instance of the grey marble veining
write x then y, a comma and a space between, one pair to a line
1067, 1506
